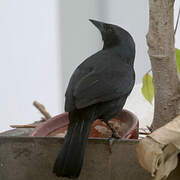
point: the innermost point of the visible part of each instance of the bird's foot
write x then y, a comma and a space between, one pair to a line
111, 141
114, 136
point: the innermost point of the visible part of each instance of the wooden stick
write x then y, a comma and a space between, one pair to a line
144, 133
42, 109
24, 126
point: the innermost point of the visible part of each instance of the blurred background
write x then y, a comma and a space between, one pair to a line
42, 42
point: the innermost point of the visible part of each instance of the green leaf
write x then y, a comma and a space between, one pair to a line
178, 59
148, 87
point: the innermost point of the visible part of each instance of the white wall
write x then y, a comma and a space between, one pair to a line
29, 59
79, 37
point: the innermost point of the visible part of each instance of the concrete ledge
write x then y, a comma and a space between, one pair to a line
29, 158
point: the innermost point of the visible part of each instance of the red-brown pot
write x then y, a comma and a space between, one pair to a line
126, 123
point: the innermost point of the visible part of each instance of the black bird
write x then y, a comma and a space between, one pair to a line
98, 88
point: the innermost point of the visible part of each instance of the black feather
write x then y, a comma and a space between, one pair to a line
98, 88
70, 158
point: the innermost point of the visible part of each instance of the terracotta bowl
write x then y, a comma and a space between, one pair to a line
126, 123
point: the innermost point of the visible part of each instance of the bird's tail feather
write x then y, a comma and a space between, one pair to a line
70, 158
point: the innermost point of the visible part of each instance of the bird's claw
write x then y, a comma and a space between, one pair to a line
112, 139
114, 136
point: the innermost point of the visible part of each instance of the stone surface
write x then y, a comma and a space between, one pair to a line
24, 158
32, 158
18, 132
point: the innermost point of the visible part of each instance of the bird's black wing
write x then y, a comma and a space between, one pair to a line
99, 81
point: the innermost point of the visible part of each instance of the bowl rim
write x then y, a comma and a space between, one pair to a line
44, 129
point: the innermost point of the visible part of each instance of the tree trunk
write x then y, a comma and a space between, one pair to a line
160, 39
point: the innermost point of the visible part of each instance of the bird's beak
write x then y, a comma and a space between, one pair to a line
98, 24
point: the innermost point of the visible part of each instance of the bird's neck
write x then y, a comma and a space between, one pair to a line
122, 51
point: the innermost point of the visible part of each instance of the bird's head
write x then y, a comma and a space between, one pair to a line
112, 35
